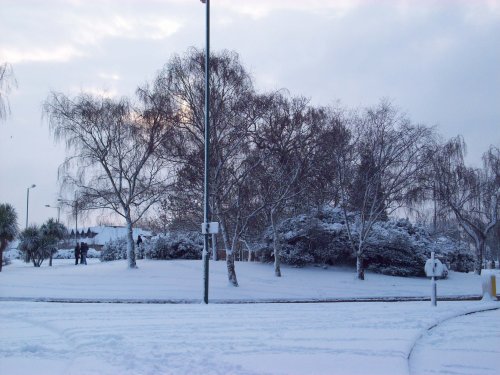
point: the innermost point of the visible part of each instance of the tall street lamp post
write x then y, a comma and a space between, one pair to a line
28, 202
206, 211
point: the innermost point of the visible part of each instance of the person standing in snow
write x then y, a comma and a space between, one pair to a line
139, 246
84, 250
77, 253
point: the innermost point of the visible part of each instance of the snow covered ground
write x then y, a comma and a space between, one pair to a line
455, 349
182, 280
320, 338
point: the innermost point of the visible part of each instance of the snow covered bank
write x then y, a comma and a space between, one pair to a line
182, 280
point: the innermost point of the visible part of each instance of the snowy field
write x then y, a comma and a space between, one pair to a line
182, 281
319, 338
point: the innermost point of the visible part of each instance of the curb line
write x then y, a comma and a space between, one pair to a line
159, 301
431, 327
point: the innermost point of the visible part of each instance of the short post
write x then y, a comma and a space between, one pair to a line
432, 270
433, 291
489, 286
433, 283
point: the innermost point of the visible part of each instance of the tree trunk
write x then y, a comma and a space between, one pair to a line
480, 246
214, 247
231, 271
130, 245
359, 267
276, 248
3, 246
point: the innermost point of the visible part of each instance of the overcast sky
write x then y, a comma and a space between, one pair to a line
437, 60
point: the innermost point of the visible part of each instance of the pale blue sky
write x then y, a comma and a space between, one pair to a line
438, 60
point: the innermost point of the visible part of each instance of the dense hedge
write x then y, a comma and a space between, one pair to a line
395, 247
174, 245
114, 250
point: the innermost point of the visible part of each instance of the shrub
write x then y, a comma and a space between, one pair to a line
70, 254
319, 237
114, 250
395, 247
175, 245
455, 254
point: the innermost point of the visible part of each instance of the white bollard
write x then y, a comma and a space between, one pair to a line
433, 292
433, 267
489, 286
433, 283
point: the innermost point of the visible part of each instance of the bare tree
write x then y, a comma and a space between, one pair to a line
7, 82
285, 142
114, 158
380, 171
470, 194
231, 116
334, 143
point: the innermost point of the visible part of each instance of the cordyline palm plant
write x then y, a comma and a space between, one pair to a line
8, 227
52, 231
39, 243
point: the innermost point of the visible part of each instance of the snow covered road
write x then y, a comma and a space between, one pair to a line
135, 339
468, 344
342, 338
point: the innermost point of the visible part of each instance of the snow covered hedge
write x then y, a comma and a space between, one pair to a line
454, 253
396, 247
70, 254
114, 250
174, 245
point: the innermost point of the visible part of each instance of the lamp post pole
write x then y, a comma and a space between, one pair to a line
28, 202
76, 221
206, 210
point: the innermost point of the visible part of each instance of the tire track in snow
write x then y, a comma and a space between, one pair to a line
39, 344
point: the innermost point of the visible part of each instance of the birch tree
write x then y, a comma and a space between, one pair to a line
114, 160
231, 116
285, 141
380, 171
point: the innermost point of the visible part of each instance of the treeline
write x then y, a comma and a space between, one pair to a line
273, 156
